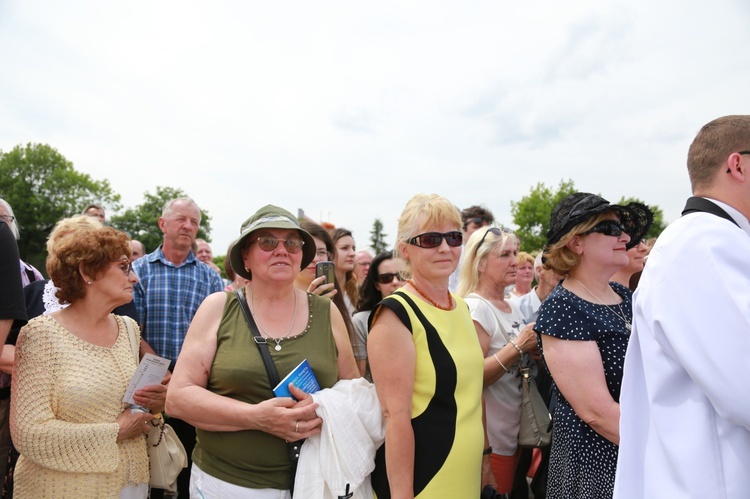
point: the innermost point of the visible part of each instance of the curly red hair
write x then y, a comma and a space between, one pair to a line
92, 250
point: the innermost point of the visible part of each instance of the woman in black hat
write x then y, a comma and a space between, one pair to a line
220, 383
583, 330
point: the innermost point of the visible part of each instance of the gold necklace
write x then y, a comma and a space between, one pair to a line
433, 302
263, 330
620, 315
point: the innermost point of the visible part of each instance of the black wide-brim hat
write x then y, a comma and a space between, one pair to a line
269, 217
579, 207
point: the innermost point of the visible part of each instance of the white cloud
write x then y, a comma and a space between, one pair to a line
348, 109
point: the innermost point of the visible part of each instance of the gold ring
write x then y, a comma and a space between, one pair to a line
296, 427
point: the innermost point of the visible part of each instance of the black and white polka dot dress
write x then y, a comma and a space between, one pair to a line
582, 462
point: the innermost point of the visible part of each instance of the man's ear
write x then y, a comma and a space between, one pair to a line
161, 224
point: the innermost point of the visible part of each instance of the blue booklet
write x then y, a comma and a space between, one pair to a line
303, 378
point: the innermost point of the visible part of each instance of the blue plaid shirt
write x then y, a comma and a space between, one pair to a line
168, 296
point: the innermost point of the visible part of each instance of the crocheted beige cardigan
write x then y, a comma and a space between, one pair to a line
66, 396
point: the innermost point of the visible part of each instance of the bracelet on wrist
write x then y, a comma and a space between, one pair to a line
498, 361
517, 347
487, 451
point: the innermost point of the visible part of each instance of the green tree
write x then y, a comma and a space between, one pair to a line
531, 214
658, 225
219, 261
142, 222
377, 237
43, 187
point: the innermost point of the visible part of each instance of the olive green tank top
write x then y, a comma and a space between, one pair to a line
252, 458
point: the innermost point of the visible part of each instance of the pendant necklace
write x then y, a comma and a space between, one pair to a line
263, 330
619, 315
433, 302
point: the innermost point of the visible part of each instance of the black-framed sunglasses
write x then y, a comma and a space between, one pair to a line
434, 239
269, 243
498, 231
607, 227
388, 277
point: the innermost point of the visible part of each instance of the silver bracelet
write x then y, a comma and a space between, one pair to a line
498, 361
517, 347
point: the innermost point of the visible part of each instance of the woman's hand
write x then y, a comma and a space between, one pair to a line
152, 396
317, 287
133, 424
526, 341
287, 419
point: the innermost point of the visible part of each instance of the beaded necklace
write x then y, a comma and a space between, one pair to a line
433, 302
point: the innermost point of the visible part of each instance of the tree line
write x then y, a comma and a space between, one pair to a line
43, 187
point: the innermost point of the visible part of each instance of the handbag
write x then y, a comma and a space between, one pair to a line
273, 375
166, 454
536, 423
535, 430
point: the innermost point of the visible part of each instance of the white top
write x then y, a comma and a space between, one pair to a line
685, 423
528, 304
339, 460
503, 397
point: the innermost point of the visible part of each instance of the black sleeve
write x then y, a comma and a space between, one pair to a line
12, 305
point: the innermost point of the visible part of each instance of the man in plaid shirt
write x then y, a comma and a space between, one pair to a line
173, 284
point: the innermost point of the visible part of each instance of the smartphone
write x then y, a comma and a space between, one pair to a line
326, 269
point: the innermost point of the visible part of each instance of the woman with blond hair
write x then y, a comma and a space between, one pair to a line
524, 275
487, 267
426, 364
583, 330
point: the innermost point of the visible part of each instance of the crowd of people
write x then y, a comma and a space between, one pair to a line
423, 345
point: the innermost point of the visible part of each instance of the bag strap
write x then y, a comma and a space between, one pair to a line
273, 374
133, 342
695, 204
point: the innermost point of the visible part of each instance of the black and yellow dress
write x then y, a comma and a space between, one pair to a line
447, 401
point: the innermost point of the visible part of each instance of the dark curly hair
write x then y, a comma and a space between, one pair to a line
93, 250
369, 295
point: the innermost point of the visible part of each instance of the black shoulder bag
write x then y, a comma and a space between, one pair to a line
273, 374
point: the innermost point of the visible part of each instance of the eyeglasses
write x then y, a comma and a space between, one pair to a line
321, 253
434, 239
608, 228
388, 277
269, 243
7, 218
126, 267
496, 231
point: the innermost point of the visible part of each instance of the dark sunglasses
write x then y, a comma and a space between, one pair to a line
388, 277
608, 228
269, 243
435, 239
496, 231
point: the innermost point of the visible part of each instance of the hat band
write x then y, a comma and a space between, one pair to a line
265, 220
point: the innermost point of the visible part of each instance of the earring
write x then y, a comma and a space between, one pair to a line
88, 282
247, 269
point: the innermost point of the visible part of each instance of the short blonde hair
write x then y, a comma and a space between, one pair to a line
524, 258
420, 212
474, 254
562, 259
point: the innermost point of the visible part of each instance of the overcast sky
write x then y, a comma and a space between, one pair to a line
346, 109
